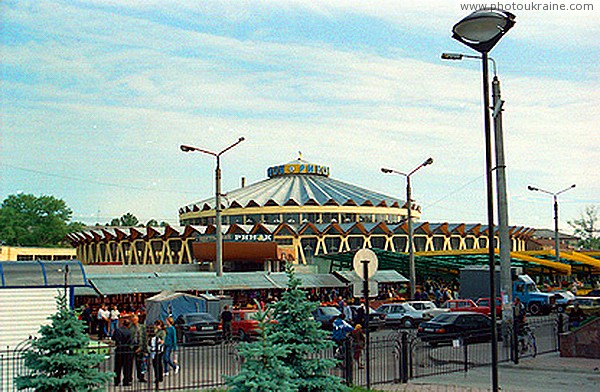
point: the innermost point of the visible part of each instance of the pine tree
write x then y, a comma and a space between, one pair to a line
59, 360
263, 369
302, 337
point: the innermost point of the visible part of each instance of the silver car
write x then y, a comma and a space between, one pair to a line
427, 308
400, 315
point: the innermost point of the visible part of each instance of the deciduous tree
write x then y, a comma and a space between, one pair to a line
586, 228
29, 220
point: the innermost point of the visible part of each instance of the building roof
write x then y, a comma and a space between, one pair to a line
203, 281
292, 184
37, 274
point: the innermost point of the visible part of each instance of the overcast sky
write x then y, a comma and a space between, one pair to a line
97, 96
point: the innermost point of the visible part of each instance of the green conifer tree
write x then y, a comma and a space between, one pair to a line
302, 337
60, 360
263, 369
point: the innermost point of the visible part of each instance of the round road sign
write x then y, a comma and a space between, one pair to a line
368, 256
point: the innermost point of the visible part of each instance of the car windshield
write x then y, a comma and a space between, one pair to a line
444, 318
330, 311
199, 318
532, 288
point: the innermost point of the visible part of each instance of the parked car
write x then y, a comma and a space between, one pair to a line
428, 308
589, 305
484, 306
463, 305
400, 314
197, 327
325, 315
563, 300
242, 324
376, 320
469, 326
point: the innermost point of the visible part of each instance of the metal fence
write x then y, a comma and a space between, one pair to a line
395, 356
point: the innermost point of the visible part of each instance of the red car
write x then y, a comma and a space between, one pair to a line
243, 325
484, 303
464, 305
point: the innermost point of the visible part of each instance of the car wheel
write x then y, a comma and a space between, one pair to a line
535, 308
560, 308
408, 322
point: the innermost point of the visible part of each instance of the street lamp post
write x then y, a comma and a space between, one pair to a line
481, 31
411, 251
217, 155
501, 194
555, 197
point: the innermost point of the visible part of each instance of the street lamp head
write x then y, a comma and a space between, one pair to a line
241, 139
452, 56
429, 161
573, 186
185, 148
532, 188
383, 169
482, 29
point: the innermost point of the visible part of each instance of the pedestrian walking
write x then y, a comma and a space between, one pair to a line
358, 344
340, 331
123, 354
170, 347
226, 318
140, 348
156, 348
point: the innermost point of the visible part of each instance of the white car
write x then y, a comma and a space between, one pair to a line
400, 314
427, 308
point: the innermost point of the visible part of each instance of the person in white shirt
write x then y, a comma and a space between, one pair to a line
114, 319
103, 322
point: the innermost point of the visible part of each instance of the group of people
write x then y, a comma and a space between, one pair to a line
350, 326
133, 347
105, 320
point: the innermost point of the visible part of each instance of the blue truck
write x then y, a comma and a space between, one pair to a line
475, 283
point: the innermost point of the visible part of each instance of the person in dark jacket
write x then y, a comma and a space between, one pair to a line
226, 318
123, 354
140, 347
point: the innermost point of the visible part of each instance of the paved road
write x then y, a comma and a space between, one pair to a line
546, 373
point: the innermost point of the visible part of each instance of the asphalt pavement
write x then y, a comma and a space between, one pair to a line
545, 373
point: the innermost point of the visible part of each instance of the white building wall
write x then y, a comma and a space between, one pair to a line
23, 312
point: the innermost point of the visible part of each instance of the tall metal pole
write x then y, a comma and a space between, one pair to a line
556, 244
490, 213
219, 234
219, 238
411, 249
555, 197
503, 233
367, 335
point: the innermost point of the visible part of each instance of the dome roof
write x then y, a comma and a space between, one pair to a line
299, 183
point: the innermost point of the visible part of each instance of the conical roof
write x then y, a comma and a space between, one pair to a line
299, 183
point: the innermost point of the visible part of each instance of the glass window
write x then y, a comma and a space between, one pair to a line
347, 218
291, 218
329, 217
252, 219
365, 218
272, 218
311, 217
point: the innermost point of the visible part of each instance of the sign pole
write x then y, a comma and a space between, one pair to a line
366, 294
369, 262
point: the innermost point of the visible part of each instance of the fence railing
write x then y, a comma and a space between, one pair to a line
395, 356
